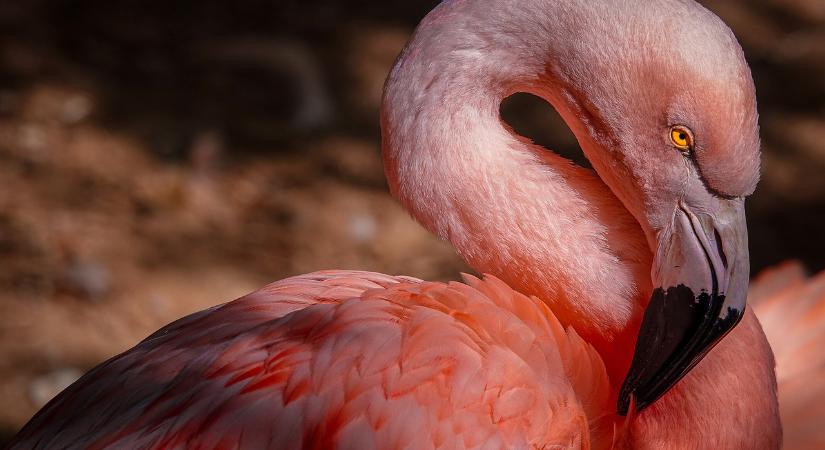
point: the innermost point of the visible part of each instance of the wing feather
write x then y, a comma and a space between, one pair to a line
342, 360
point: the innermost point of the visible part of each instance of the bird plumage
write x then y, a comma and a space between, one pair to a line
791, 308
346, 360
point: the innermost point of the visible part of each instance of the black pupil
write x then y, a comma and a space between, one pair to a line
682, 136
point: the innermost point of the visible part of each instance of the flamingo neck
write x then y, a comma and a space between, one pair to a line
511, 209
536, 221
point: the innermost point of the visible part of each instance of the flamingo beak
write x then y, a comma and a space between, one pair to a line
701, 272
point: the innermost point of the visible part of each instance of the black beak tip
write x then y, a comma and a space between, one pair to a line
678, 329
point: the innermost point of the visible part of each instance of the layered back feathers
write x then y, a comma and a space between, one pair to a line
345, 360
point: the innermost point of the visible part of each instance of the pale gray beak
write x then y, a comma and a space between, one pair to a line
700, 276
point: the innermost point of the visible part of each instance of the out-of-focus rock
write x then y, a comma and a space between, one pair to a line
362, 227
32, 137
86, 279
75, 109
51, 103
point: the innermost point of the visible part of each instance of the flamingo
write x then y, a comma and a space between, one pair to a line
612, 309
791, 307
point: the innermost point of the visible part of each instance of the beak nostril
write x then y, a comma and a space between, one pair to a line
720, 249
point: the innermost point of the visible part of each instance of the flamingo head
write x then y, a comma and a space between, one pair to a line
661, 100
668, 118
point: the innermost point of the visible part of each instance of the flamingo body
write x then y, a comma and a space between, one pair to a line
343, 360
791, 308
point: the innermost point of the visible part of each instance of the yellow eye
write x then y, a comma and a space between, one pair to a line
681, 138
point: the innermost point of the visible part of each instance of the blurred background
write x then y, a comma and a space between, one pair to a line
157, 158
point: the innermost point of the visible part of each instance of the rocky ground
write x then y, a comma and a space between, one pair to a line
155, 161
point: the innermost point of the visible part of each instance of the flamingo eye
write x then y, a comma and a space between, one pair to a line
682, 138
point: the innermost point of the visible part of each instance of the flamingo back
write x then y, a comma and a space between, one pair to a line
344, 360
791, 308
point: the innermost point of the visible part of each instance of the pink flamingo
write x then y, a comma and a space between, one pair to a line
607, 290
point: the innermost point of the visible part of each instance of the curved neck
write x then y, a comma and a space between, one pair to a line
531, 218
512, 209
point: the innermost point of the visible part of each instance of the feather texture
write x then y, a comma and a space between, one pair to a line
343, 360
